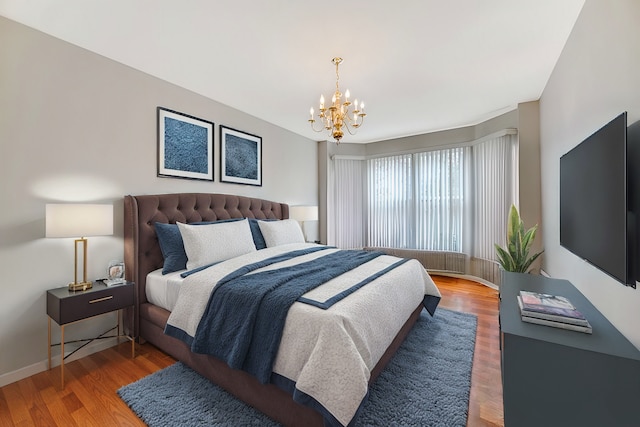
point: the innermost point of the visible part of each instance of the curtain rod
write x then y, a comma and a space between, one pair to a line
498, 134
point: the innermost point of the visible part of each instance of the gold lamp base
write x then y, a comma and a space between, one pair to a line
83, 286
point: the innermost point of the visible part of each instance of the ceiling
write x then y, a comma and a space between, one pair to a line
418, 65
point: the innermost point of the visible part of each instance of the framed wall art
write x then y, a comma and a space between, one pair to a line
240, 157
185, 146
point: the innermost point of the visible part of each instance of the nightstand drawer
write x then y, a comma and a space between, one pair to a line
64, 306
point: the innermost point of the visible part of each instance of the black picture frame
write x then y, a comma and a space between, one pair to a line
240, 157
185, 146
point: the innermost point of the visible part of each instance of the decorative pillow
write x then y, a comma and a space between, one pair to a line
278, 233
170, 239
258, 238
208, 244
172, 247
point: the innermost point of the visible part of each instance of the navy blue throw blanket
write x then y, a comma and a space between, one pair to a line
244, 320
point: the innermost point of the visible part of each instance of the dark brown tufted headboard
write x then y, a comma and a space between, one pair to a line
141, 250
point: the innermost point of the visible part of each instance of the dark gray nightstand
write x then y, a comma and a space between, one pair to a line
66, 307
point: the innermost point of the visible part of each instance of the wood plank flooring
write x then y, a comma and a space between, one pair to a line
485, 403
90, 399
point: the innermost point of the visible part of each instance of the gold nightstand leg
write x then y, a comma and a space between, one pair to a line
62, 356
49, 341
133, 341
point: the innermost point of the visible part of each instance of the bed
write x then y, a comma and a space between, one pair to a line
156, 311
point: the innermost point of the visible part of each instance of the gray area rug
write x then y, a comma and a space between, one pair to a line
427, 383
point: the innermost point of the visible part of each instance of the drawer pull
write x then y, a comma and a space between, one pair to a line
101, 299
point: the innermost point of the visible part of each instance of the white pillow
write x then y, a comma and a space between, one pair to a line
210, 243
278, 233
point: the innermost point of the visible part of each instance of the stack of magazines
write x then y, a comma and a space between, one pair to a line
551, 310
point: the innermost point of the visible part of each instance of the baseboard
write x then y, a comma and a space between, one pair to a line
466, 277
544, 273
36, 368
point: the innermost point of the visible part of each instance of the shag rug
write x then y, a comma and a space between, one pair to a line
427, 383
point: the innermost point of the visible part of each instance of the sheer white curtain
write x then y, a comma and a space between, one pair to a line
418, 200
390, 201
495, 188
349, 219
454, 199
441, 199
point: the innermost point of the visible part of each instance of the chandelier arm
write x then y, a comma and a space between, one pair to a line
357, 122
313, 128
346, 125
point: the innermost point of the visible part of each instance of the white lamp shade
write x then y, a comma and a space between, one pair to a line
78, 220
304, 213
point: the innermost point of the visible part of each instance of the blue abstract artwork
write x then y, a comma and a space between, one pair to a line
241, 157
240, 160
185, 146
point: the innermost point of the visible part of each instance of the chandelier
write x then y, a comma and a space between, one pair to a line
338, 114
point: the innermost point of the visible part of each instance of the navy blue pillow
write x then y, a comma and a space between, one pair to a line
172, 247
258, 238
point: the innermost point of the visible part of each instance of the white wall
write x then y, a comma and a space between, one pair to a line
595, 79
75, 126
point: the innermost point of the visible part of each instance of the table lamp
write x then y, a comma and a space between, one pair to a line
79, 221
302, 214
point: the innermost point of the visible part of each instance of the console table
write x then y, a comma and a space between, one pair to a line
557, 377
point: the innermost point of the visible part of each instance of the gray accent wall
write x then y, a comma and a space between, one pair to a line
78, 127
595, 79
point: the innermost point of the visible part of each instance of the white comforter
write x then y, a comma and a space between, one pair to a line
329, 354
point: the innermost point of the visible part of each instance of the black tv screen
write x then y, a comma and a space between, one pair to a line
594, 213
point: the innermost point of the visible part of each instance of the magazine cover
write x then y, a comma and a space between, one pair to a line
553, 313
534, 299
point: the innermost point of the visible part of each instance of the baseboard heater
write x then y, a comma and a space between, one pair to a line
452, 262
448, 262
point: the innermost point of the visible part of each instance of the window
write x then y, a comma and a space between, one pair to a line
441, 194
454, 199
390, 201
417, 200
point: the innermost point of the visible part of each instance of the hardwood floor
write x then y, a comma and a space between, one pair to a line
89, 397
485, 403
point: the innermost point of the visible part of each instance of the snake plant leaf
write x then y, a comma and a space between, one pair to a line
515, 257
505, 259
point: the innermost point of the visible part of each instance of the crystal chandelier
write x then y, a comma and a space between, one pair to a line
338, 114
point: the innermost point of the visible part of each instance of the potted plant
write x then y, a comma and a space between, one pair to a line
515, 257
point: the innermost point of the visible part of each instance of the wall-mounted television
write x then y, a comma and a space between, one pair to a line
596, 222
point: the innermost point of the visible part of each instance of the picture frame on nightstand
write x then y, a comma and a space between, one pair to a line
115, 273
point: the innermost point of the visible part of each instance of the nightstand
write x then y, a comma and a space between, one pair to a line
66, 307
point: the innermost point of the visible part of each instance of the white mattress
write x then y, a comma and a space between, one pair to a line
162, 290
